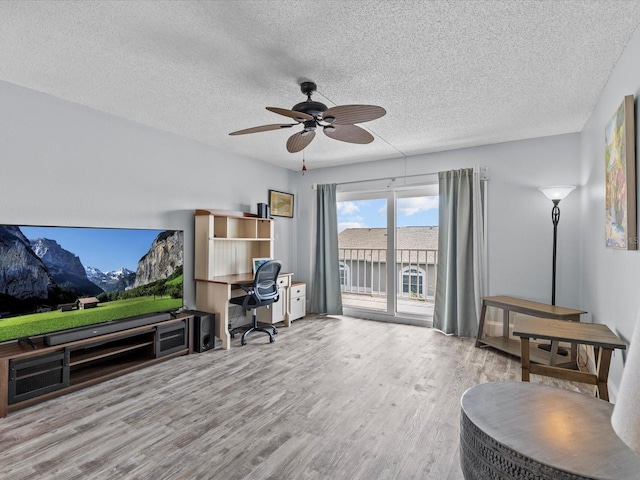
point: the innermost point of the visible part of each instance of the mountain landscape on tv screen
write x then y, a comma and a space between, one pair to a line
112, 281
37, 273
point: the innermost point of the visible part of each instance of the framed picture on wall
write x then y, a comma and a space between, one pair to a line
281, 204
620, 225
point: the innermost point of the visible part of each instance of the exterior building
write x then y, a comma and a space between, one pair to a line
90, 302
363, 260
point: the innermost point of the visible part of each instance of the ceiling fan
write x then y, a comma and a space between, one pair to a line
336, 122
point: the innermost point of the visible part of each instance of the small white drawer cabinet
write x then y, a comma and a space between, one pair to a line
297, 300
277, 311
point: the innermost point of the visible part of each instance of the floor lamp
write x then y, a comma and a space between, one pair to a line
555, 193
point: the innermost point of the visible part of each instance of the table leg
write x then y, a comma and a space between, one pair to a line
287, 313
505, 322
4, 386
483, 314
596, 352
574, 346
554, 353
602, 372
524, 345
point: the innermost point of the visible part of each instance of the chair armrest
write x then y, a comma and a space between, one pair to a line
247, 287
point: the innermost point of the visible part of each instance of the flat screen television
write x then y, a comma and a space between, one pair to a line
57, 278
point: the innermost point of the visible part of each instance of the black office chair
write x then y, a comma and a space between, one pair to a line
262, 292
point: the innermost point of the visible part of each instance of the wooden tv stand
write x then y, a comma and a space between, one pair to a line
29, 376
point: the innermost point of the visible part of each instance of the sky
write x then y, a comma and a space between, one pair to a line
412, 211
106, 249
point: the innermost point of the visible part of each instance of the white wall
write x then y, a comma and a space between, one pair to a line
611, 278
64, 164
519, 216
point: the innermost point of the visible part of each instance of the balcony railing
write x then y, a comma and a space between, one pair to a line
363, 272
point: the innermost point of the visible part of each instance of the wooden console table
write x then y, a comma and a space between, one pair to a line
548, 434
518, 305
597, 335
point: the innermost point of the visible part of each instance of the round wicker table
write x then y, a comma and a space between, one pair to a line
520, 430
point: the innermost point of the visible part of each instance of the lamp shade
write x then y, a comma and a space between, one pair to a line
557, 192
626, 412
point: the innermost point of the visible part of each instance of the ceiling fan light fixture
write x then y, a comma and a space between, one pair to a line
309, 126
329, 119
329, 128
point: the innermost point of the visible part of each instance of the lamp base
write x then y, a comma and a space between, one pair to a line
547, 346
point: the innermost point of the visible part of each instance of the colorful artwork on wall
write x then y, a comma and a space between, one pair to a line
620, 179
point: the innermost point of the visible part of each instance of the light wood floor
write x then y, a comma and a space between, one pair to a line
332, 398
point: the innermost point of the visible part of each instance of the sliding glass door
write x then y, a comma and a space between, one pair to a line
388, 246
416, 251
362, 246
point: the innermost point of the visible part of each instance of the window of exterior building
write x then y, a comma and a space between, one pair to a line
413, 282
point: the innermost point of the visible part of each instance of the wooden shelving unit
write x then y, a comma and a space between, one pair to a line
98, 353
227, 242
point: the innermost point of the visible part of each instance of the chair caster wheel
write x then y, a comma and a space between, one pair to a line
271, 340
243, 342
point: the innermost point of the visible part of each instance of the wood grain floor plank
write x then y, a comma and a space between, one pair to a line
332, 398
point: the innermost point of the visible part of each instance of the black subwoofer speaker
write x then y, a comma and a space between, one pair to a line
204, 325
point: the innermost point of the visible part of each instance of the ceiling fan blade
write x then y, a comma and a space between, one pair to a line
298, 141
348, 133
263, 128
350, 114
300, 116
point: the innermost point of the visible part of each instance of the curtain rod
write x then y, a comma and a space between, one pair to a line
483, 170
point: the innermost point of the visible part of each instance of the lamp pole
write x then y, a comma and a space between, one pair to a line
555, 193
555, 218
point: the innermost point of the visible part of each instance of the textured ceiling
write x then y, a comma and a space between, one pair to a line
450, 74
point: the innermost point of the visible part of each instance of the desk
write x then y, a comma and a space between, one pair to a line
594, 334
216, 292
527, 307
516, 431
